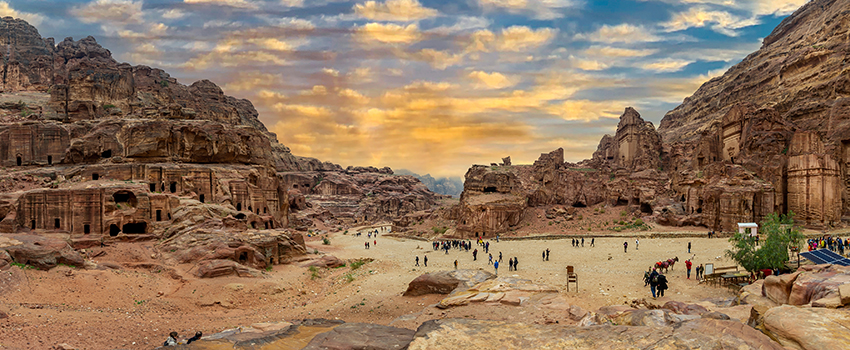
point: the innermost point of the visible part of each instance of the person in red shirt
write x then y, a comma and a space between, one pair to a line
688, 265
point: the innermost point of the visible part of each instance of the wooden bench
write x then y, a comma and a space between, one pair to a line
714, 277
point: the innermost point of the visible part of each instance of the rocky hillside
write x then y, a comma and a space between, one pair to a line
98, 150
770, 135
451, 186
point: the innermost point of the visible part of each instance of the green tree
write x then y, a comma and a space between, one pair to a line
780, 233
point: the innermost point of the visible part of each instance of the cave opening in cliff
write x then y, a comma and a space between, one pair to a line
239, 206
622, 202
135, 227
645, 208
295, 186
201, 198
265, 210
267, 225
172, 187
114, 230
243, 257
153, 187
86, 229
250, 208
699, 208
57, 223
95, 176
32, 225
106, 154
20, 161
240, 216
158, 215
579, 204
489, 189
49, 160
682, 199
125, 198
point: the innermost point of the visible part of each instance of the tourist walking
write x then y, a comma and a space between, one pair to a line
582, 241
689, 247
510, 264
688, 266
490, 261
544, 255
500, 256
417, 260
496, 267
662, 284
653, 282
646, 276
475, 254
455, 264
637, 244
547, 254
626, 247
592, 241
515, 263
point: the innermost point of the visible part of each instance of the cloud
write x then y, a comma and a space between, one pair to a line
31, 18
495, 80
622, 33
586, 110
462, 24
514, 38
243, 4
719, 21
588, 65
436, 58
388, 33
754, 7
616, 52
394, 10
666, 65
538, 9
114, 12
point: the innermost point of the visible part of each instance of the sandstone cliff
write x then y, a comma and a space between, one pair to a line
770, 135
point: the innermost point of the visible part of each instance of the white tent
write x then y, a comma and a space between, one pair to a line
743, 226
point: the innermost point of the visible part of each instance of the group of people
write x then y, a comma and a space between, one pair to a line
835, 244
657, 282
466, 245
580, 243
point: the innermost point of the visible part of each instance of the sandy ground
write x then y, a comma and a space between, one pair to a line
136, 308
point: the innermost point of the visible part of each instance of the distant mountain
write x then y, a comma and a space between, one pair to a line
445, 185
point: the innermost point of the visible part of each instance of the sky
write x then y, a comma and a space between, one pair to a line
430, 86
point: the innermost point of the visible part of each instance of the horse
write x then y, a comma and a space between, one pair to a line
665, 265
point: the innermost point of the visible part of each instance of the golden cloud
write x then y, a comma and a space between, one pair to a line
7, 10
539, 9
721, 21
116, 12
514, 38
388, 33
495, 80
623, 33
231, 3
394, 10
616, 52
666, 65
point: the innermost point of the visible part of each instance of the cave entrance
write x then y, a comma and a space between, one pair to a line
699, 208
243, 257
32, 225
265, 210
153, 187
86, 229
158, 215
267, 225
114, 230
201, 198
239, 206
489, 189
250, 208
135, 227
173, 187
125, 197
645, 208
240, 216
49, 160
700, 161
57, 223
579, 204
20, 161
95, 176
682, 199
622, 202
106, 154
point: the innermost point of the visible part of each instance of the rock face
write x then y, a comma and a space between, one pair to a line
352, 336
770, 135
41, 252
695, 334
796, 327
101, 150
624, 171
444, 282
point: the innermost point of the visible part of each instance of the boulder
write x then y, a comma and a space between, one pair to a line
833, 301
681, 308
5, 260
809, 328
778, 288
444, 282
221, 267
821, 282
695, 334
577, 313
355, 336
43, 252
716, 315
844, 293
327, 261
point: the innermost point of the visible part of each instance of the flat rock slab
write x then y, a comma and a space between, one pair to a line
356, 336
697, 334
809, 328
